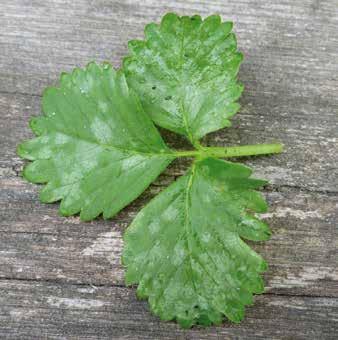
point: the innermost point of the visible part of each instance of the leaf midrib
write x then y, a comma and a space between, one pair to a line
190, 232
184, 113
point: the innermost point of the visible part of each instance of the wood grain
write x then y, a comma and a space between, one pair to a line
62, 279
39, 310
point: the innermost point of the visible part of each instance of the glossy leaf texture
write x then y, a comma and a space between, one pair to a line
96, 148
185, 72
185, 249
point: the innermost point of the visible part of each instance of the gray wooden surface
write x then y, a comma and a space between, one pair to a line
62, 279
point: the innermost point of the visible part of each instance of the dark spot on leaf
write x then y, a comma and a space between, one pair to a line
168, 97
154, 87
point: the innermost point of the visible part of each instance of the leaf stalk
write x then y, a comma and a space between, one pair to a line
232, 151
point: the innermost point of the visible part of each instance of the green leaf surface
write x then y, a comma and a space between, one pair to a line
185, 248
96, 148
185, 72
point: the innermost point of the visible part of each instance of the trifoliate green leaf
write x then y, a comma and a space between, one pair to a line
185, 248
185, 73
95, 147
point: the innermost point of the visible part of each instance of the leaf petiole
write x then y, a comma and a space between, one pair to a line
232, 151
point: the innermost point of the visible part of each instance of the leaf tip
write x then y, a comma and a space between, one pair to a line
36, 125
65, 79
21, 151
64, 211
229, 25
170, 16
28, 173
214, 18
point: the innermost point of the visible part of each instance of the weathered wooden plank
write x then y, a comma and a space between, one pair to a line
48, 310
291, 95
38, 244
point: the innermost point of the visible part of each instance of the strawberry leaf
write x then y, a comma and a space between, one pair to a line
95, 147
185, 73
185, 248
